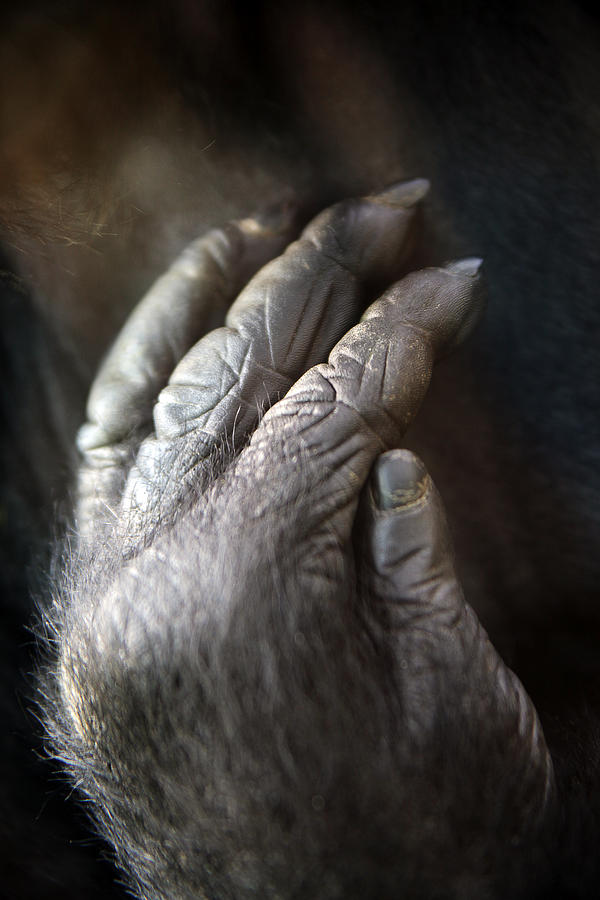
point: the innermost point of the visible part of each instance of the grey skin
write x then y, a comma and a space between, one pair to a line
265, 676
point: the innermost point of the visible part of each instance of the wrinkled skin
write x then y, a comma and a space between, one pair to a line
302, 582
231, 674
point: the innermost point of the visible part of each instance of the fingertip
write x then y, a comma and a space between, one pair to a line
90, 436
404, 193
399, 479
446, 303
470, 266
371, 236
273, 220
470, 308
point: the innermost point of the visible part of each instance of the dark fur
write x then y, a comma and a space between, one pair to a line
500, 107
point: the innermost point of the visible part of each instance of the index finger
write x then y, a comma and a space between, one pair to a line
322, 438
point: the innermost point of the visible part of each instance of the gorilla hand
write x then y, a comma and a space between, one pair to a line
267, 679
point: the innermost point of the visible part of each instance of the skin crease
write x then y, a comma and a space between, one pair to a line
509, 430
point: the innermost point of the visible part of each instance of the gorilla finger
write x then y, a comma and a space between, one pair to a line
408, 558
340, 416
437, 640
289, 316
177, 310
407, 548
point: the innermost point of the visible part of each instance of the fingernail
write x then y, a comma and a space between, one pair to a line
399, 478
467, 308
404, 193
469, 266
274, 219
91, 436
